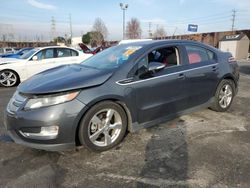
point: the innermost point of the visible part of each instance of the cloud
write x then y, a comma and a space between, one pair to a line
182, 2
40, 5
146, 2
154, 20
242, 4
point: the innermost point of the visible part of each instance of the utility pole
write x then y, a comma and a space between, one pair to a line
70, 26
53, 28
233, 19
124, 7
174, 32
149, 29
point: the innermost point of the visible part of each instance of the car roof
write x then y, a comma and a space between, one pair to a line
46, 47
168, 41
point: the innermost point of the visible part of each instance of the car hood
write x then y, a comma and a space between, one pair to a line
10, 60
64, 78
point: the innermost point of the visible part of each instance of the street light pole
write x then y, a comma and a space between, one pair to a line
124, 7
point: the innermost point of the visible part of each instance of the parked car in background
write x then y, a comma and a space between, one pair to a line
6, 51
123, 88
16, 54
13, 71
93, 51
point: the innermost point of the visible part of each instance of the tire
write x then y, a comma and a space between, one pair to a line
8, 78
223, 103
103, 126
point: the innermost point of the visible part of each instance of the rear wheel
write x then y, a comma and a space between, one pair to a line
224, 96
103, 126
8, 78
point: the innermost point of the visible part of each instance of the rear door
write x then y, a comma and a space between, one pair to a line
66, 56
201, 75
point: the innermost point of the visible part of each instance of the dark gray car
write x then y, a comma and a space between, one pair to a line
123, 88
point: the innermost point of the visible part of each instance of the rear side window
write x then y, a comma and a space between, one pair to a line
197, 54
63, 52
8, 49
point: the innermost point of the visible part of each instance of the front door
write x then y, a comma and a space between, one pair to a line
163, 92
45, 60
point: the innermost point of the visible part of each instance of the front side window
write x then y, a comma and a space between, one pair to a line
49, 53
196, 54
40, 55
45, 54
168, 56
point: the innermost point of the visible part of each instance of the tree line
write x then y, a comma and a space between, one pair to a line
99, 32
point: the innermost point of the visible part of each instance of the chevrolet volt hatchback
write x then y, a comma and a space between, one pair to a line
124, 88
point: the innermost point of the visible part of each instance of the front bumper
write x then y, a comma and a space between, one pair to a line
66, 116
48, 147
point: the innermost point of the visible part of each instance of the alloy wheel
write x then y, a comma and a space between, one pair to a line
225, 96
105, 127
8, 78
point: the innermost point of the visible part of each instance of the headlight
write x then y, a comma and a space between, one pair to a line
49, 100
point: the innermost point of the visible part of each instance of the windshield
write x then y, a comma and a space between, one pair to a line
28, 54
111, 58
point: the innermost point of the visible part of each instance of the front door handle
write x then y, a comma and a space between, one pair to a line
214, 68
181, 76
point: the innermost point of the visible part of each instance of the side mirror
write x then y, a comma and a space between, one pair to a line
155, 66
34, 58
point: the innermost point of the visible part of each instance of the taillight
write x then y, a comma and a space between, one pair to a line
231, 60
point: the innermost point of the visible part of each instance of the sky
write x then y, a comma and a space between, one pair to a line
31, 19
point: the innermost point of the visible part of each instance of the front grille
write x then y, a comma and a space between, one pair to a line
16, 103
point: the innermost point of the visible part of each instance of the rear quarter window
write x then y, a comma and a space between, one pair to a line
196, 54
211, 55
74, 53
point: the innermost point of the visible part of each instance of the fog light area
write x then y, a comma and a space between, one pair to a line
46, 133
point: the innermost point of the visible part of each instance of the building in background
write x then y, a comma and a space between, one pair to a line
211, 38
75, 41
238, 45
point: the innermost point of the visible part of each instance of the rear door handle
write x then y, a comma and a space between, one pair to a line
181, 76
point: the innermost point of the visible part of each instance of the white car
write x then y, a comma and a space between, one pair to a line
6, 51
13, 71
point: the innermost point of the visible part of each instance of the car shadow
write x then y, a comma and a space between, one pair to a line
245, 69
166, 157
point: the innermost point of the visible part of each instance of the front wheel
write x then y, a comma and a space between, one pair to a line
224, 96
8, 78
103, 126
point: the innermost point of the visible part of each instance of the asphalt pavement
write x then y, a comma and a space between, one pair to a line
202, 149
